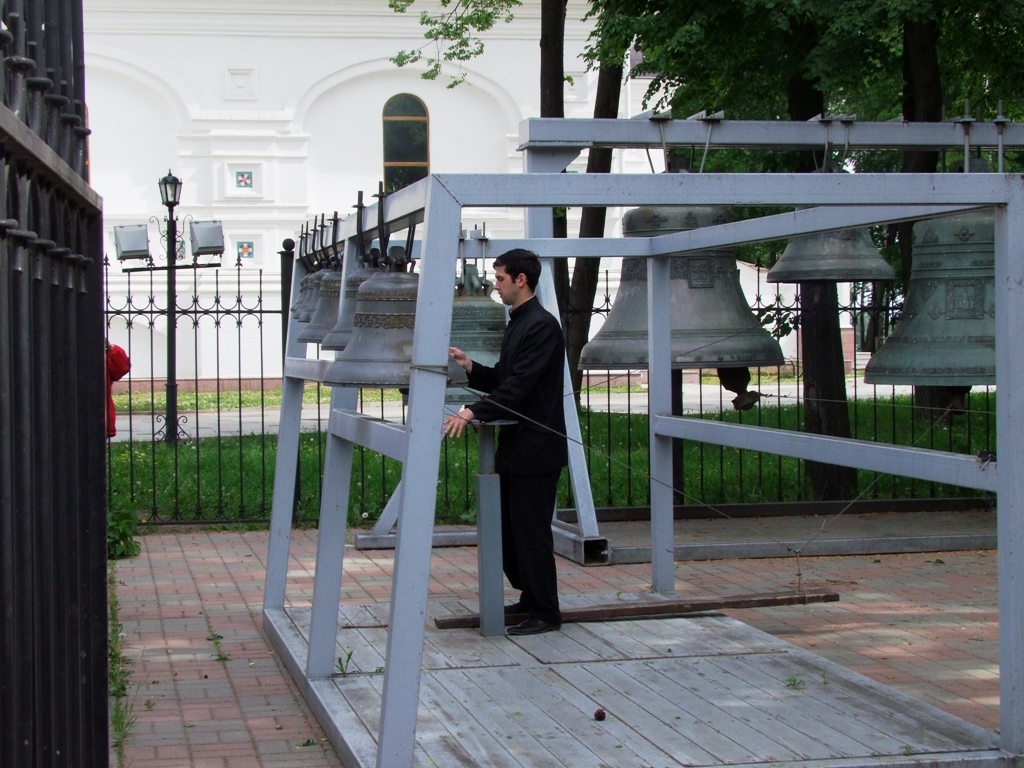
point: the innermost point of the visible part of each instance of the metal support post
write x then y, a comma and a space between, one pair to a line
659, 393
488, 537
1009, 299
330, 545
285, 468
589, 547
403, 665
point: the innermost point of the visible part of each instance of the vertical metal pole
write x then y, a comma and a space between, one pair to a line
171, 413
538, 224
659, 395
1009, 298
488, 538
403, 666
284, 471
330, 545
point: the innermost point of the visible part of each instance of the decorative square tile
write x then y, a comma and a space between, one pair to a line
243, 179
246, 249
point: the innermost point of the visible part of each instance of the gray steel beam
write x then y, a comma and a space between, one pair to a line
539, 224
384, 437
550, 133
330, 553
1009, 301
301, 369
920, 463
781, 189
659, 399
774, 227
286, 466
427, 380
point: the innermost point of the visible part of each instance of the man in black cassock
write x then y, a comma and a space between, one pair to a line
525, 385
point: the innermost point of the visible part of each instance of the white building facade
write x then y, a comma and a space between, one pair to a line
271, 113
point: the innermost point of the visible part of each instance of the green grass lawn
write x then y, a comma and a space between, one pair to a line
231, 480
156, 402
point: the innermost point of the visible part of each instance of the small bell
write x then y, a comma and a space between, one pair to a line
841, 256
478, 326
379, 352
325, 313
338, 337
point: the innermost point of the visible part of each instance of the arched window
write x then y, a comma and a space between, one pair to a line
406, 142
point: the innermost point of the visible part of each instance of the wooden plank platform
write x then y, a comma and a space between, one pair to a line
652, 609
704, 690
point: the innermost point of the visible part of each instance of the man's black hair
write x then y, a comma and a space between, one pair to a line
520, 261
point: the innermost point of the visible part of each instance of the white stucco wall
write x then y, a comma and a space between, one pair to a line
291, 96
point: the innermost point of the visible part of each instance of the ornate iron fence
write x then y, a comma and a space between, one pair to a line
53, 630
226, 474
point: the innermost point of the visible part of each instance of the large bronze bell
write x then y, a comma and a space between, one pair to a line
841, 256
946, 334
478, 326
712, 324
325, 313
379, 352
338, 337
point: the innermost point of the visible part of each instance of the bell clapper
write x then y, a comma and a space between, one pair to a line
736, 380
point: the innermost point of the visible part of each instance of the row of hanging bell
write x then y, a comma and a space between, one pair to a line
337, 338
712, 326
379, 351
324, 313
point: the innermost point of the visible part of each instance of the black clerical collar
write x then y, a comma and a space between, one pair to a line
514, 313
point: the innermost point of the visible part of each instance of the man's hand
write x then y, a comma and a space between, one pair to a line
461, 358
454, 425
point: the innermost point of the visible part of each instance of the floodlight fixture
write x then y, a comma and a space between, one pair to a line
131, 241
207, 238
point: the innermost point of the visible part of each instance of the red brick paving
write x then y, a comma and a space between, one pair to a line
925, 624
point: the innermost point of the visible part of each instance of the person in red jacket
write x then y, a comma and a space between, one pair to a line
118, 366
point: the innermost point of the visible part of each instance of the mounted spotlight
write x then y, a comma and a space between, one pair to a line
131, 241
207, 239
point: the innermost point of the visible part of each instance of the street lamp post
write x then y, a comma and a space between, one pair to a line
170, 194
132, 243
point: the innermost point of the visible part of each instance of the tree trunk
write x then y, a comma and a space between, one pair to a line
552, 104
824, 376
922, 102
586, 272
824, 373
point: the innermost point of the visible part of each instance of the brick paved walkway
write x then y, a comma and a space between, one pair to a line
926, 624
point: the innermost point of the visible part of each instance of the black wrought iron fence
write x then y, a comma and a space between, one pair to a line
53, 660
223, 472
613, 414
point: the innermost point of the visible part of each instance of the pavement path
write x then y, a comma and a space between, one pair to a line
926, 624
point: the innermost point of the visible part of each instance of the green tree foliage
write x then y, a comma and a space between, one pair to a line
737, 55
452, 32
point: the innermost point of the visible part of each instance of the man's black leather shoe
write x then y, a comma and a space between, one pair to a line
516, 607
532, 626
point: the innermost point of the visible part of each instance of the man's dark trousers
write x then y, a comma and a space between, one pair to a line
527, 504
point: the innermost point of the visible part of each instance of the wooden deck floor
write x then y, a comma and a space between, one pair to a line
699, 691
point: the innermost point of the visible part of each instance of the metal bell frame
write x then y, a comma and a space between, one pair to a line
862, 200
